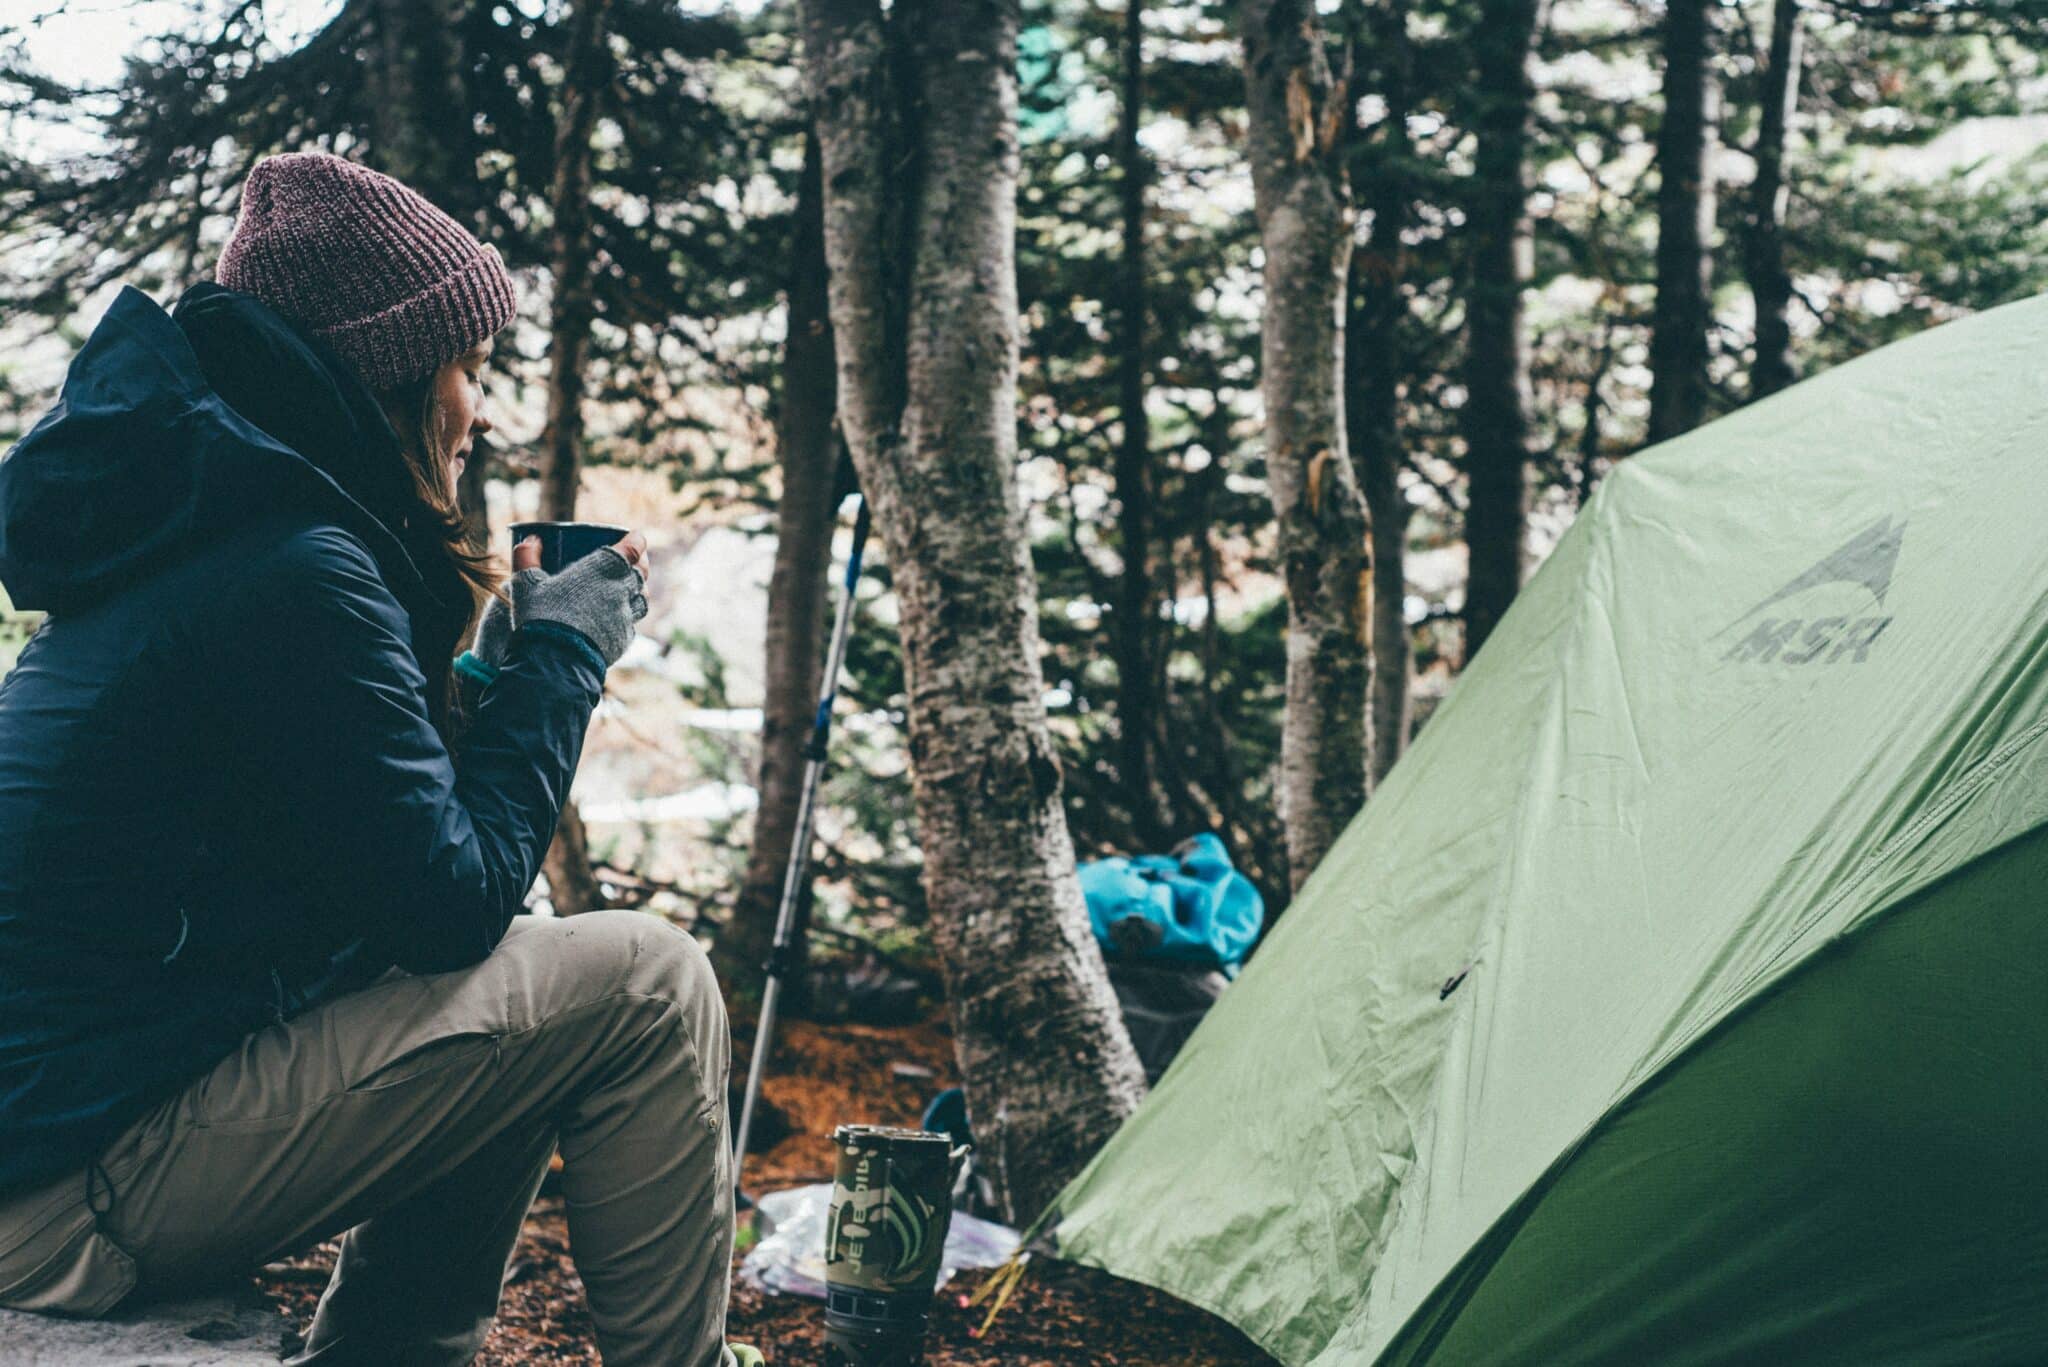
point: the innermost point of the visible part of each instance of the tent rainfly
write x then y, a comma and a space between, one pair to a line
1682, 996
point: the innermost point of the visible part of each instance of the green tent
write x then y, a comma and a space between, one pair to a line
1682, 996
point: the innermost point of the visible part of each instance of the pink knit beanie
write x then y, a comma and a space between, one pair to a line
394, 285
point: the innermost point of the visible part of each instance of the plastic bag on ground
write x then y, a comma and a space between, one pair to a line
790, 1259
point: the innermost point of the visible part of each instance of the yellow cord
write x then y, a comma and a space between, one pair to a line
1006, 1280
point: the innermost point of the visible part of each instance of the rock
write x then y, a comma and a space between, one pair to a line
230, 1328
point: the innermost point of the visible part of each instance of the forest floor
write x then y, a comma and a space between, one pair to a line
826, 1075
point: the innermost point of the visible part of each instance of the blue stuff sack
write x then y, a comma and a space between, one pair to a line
1190, 906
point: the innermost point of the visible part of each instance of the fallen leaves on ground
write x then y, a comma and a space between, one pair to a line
826, 1075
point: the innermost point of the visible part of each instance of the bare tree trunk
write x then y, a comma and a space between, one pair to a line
1497, 356
797, 591
927, 401
1372, 361
1298, 114
571, 310
1769, 282
572, 882
574, 301
425, 136
1135, 616
421, 122
1685, 224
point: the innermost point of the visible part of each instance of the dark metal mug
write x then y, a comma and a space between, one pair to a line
564, 543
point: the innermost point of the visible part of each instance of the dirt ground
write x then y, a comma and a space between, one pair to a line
824, 1075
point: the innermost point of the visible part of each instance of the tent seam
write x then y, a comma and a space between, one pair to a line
1968, 786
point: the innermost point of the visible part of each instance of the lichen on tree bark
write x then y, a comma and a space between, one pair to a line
927, 359
1304, 213
1373, 363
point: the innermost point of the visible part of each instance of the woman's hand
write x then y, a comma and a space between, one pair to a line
526, 555
494, 630
634, 547
600, 595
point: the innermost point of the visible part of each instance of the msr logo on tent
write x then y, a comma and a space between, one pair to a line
1831, 630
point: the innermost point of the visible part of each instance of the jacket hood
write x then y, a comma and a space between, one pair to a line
295, 388
174, 428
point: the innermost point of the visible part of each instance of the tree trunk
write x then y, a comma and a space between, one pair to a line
1685, 224
572, 882
797, 592
574, 301
421, 122
1496, 415
572, 307
927, 401
1297, 115
1136, 700
1769, 282
425, 137
1372, 360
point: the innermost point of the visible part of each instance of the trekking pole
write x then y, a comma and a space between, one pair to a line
780, 961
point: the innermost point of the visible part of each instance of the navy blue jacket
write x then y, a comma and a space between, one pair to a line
223, 794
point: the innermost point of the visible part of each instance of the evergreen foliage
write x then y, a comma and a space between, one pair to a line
1912, 197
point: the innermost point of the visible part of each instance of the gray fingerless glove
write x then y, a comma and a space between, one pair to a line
493, 632
598, 595
480, 663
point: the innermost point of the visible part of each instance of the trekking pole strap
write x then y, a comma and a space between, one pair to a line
860, 544
821, 730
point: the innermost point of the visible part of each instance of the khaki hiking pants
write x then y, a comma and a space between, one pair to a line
419, 1114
